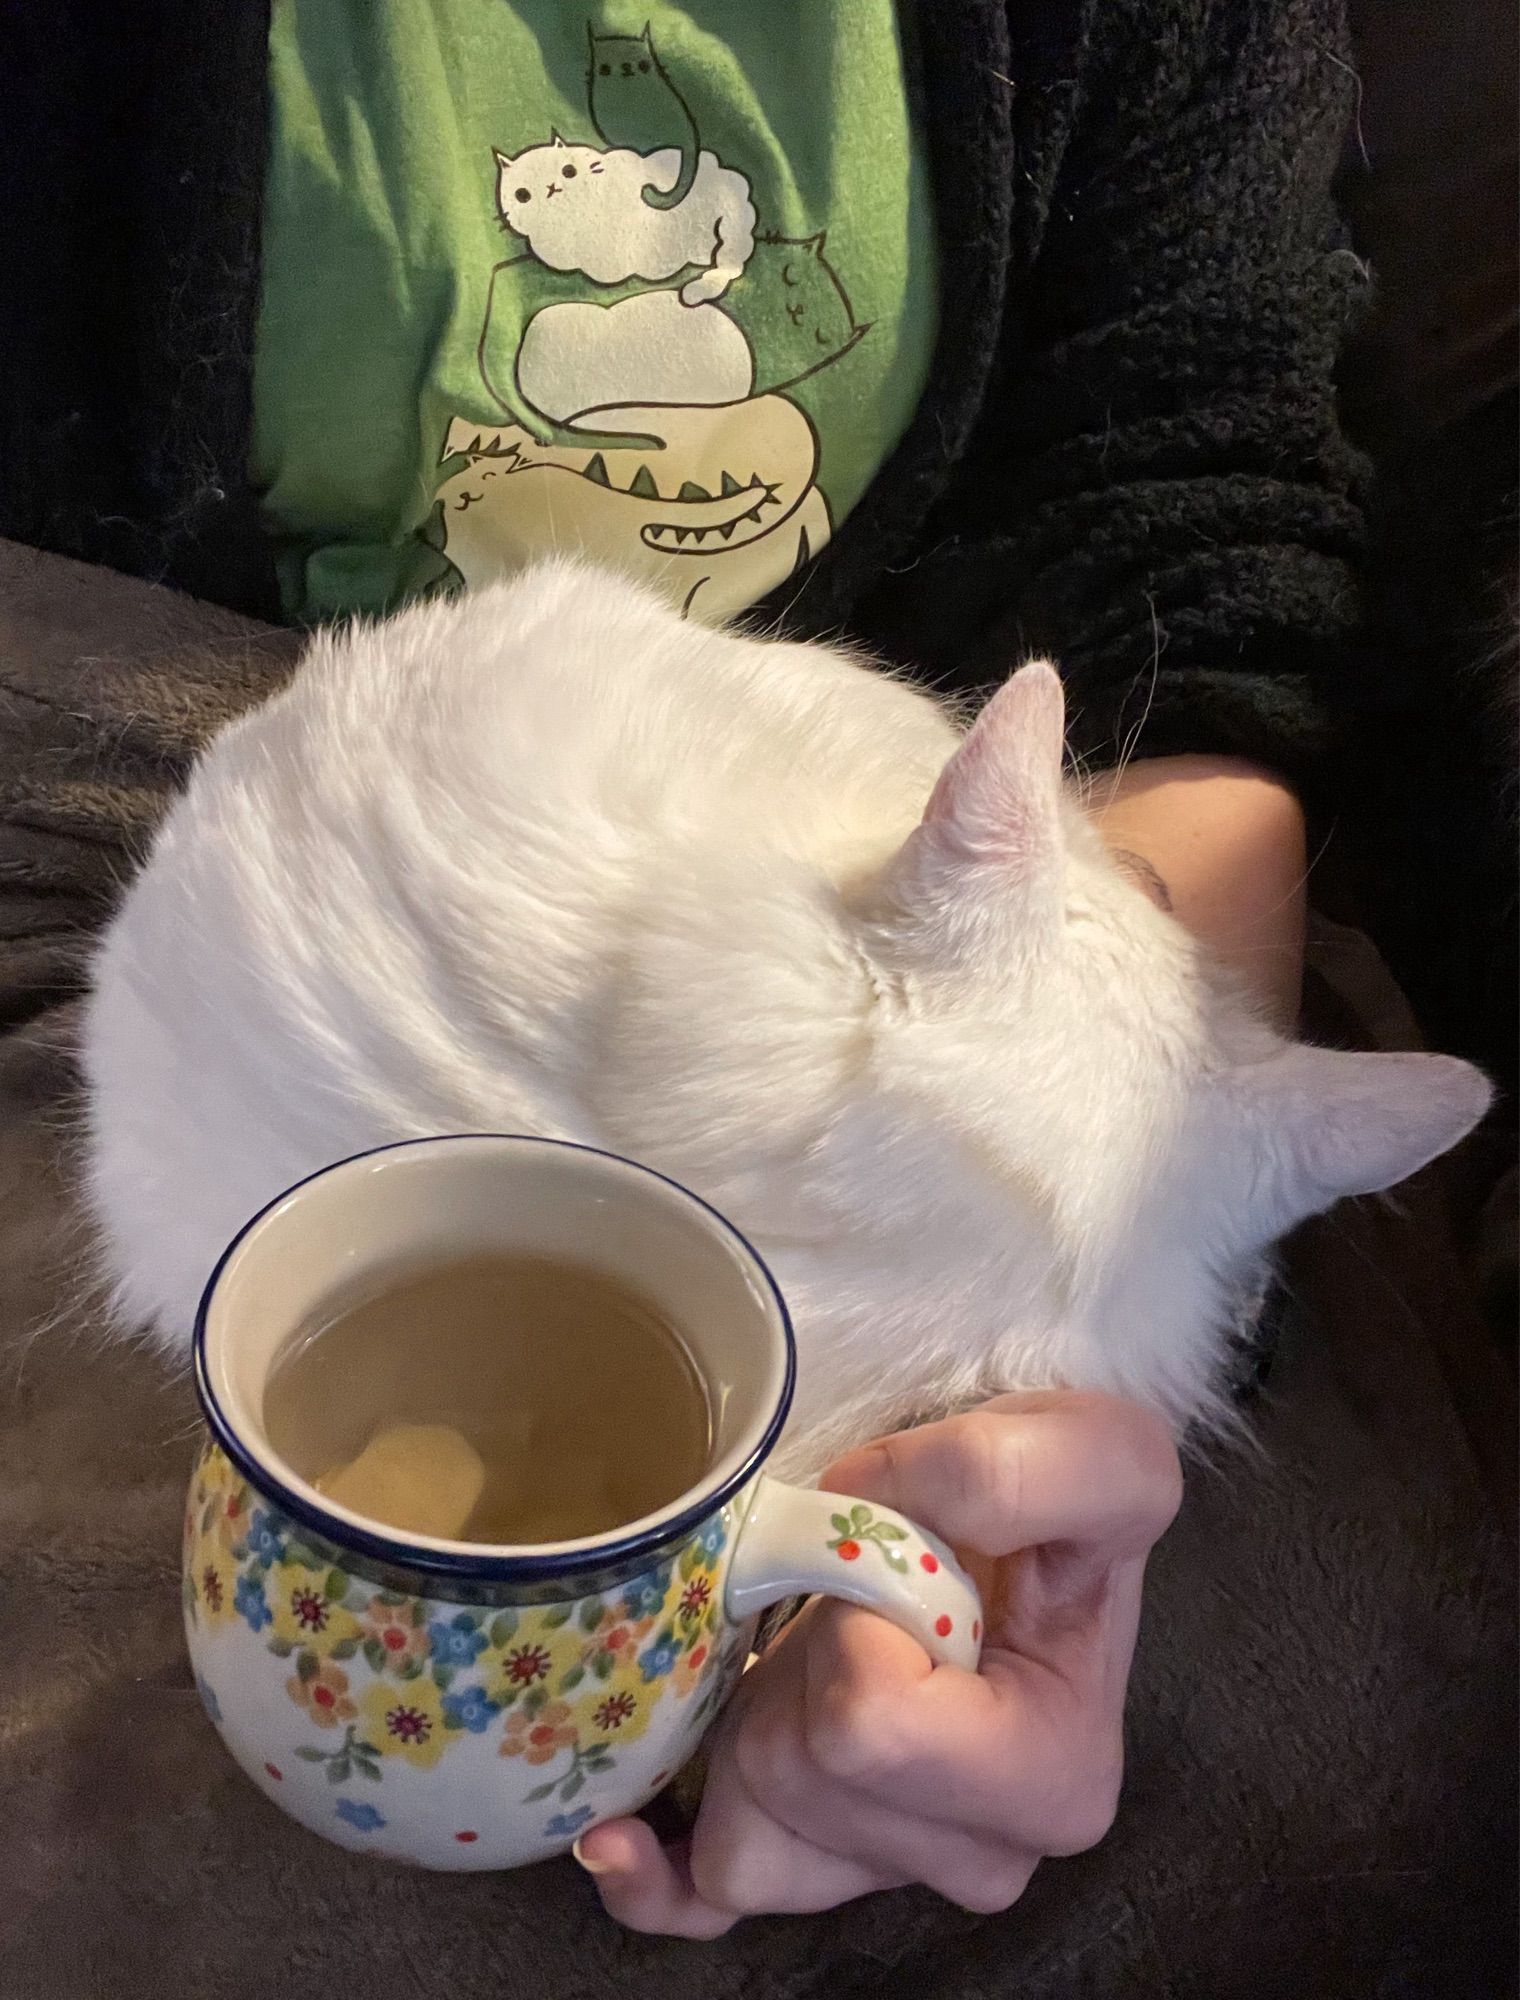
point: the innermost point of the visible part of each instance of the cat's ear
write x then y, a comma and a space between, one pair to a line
1328, 1124
991, 834
503, 160
998, 800
555, 138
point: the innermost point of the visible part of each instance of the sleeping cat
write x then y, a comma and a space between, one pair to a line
580, 209
548, 859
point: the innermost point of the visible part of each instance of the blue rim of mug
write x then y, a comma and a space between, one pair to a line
615, 1551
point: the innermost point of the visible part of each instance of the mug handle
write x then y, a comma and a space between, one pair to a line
795, 1541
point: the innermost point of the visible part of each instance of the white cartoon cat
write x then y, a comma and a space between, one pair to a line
581, 209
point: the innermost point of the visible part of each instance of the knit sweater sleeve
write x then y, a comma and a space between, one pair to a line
1183, 526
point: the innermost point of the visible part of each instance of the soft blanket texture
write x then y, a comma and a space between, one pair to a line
1321, 1738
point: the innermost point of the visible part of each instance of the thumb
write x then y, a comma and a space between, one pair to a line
646, 1886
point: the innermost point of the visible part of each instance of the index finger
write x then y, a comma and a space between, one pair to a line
1088, 1470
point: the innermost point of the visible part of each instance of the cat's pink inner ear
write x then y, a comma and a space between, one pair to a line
1354, 1124
998, 798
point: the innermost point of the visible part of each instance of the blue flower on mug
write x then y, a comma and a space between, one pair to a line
209, 1701
265, 1542
659, 1657
457, 1644
711, 1536
471, 1708
248, 1601
564, 1825
359, 1815
646, 1594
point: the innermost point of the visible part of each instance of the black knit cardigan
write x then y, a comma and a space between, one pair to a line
1127, 454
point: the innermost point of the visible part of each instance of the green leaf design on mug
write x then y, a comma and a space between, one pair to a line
352, 1754
859, 1529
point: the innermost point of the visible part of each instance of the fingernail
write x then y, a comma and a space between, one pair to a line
591, 1866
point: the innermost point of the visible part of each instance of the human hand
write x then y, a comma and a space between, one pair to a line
1227, 841
846, 1762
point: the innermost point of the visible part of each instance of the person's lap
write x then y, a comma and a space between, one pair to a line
1319, 1730
1320, 1724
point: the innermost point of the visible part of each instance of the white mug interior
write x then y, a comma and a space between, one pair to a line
390, 1212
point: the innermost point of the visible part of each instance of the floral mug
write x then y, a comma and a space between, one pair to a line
464, 1705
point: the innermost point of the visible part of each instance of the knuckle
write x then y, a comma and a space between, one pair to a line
1158, 1472
995, 1886
722, 1881
1087, 1813
987, 1469
766, 1760
731, 1883
1140, 1446
855, 1736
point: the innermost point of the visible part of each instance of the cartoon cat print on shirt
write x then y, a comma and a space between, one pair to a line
634, 104
638, 344
579, 209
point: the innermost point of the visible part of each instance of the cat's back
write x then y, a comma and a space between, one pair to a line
401, 896
580, 711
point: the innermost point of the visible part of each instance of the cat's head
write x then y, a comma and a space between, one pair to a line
622, 59
1056, 1051
558, 196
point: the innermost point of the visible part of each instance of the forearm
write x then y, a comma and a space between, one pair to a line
1227, 839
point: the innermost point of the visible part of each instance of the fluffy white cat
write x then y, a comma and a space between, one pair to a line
547, 859
581, 209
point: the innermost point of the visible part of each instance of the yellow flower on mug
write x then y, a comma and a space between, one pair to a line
215, 1474
618, 1709
324, 1695
534, 1661
405, 1720
306, 1614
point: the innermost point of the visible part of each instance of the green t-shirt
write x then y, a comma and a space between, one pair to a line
650, 281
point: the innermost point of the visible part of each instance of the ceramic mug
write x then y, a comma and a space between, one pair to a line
463, 1705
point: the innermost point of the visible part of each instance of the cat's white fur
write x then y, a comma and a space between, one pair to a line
595, 219
548, 859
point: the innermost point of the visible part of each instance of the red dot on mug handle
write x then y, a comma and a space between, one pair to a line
942, 1624
976, 1630
929, 1562
275, 1771
467, 1836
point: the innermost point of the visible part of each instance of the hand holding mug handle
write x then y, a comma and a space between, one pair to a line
794, 1541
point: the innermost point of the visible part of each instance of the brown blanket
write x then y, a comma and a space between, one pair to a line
1321, 1746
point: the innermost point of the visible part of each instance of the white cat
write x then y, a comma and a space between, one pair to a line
548, 859
581, 209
